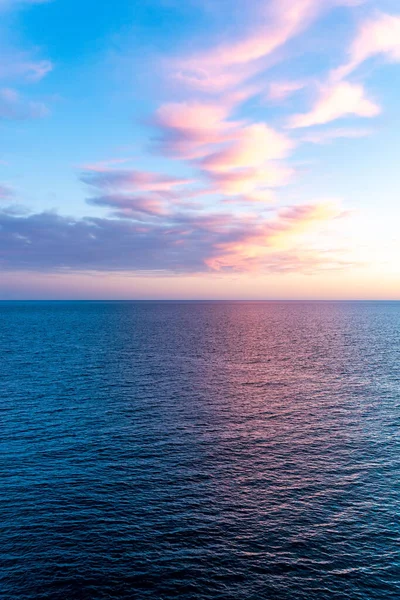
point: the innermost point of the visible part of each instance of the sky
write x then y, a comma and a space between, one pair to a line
205, 149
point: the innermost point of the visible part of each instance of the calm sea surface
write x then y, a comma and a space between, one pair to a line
231, 451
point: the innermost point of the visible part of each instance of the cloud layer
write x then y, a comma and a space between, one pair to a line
218, 189
178, 242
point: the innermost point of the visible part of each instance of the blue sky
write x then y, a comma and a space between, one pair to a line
213, 143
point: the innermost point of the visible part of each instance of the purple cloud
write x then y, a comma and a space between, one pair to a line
131, 180
180, 242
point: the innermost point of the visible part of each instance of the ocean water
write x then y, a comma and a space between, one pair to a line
231, 451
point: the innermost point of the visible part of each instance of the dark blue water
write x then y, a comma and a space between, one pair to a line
225, 451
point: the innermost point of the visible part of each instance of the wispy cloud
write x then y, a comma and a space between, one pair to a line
6, 193
207, 211
20, 66
378, 35
335, 102
229, 64
280, 90
232, 157
14, 107
131, 180
131, 206
329, 135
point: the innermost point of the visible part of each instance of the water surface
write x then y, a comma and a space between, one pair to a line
231, 451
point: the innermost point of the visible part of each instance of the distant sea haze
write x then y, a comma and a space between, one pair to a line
208, 451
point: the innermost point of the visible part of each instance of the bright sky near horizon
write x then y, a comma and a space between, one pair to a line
199, 149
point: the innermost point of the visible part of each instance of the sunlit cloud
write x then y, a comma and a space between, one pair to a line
377, 36
188, 129
214, 184
250, 181
335, 102
278, 236
233, 156
228, 65
177, 242
251, 146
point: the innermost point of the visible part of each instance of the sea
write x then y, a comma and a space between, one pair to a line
199, 450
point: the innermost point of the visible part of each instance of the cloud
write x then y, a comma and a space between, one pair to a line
131, 193
129, 206
277, 237
6, 193
229, 64
233, 156
14, 107
20, 66
188, 129
280, 90
103, 165
251, 146
16, 63
249, 182
178, 242
337, 101
329, 135
378, 35
249, 162
105, 178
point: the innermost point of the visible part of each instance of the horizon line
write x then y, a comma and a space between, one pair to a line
199, 300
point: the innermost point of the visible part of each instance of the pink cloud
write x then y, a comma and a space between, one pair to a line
236, 157
228, 65
277, 237
250, 182
189, 128
337, 101
379, 35
192, 116
252, 146
310, 213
